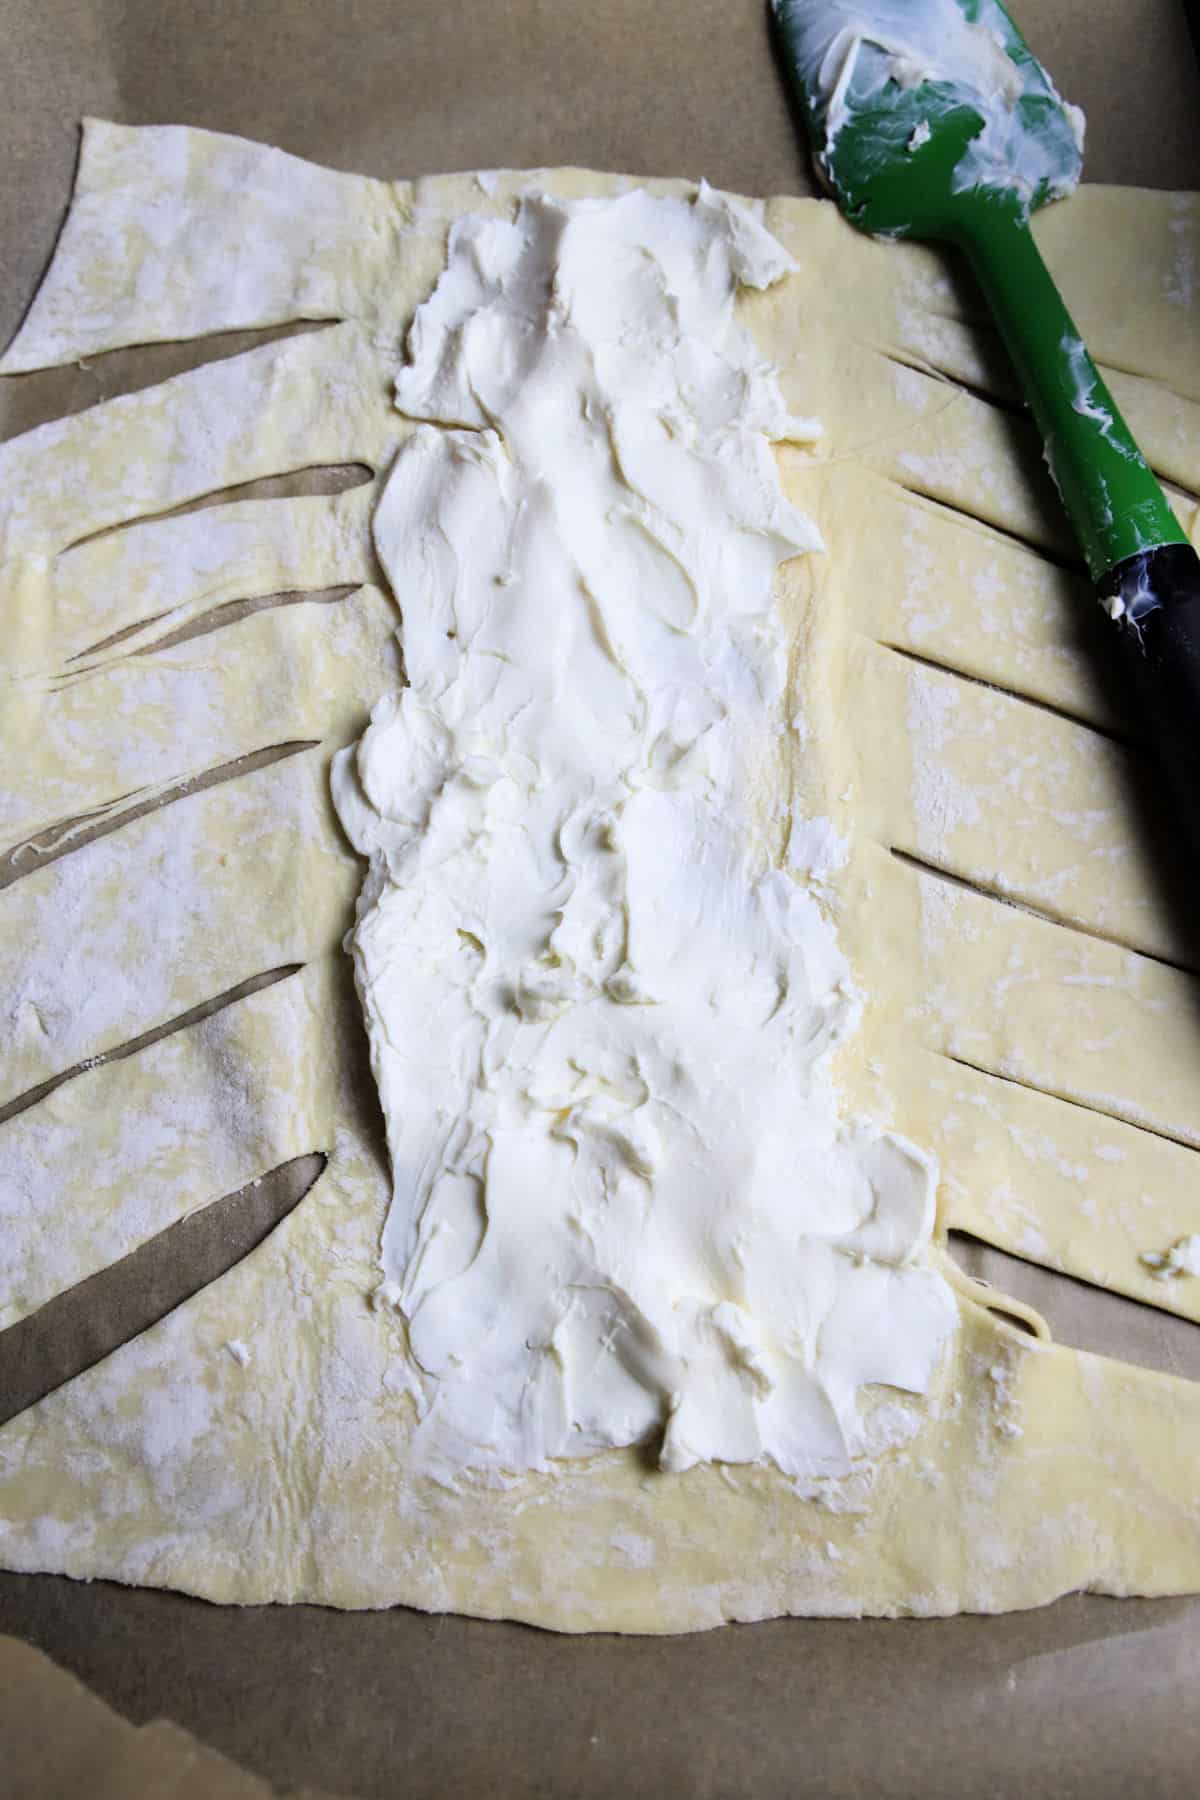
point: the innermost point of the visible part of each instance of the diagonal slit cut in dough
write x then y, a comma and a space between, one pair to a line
194, 1014
201, 624
1022, 800
996, 386
68, 835
1083, 1313
1049, 1093
974, 886
1005, 401
1071, 565
1002, 1302
79, 1328
314, 480
222, 894
1012, 693
1055, 1184
38, 396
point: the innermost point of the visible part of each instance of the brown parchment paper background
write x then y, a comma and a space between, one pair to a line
1090, 1697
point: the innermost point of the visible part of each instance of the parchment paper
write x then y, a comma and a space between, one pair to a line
1089, 1697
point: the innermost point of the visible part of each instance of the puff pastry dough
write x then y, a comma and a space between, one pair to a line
251, 1446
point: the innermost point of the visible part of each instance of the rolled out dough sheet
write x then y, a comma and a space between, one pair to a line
1031, 1009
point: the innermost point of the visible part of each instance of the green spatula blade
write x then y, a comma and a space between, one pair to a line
933, 119
911, 103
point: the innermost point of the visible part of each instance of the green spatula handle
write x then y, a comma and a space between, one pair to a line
1153, 599
1147, 575
1111, 496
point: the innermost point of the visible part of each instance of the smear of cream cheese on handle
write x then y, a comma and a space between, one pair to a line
600, 1017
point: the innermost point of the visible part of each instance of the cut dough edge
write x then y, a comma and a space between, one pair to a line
992, 1505
718, 1597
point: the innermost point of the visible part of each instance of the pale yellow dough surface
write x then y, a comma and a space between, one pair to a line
251, 1447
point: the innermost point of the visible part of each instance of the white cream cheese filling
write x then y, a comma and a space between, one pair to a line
600, 1016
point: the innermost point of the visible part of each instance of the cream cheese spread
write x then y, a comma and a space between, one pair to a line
1183, 1258
626, 1208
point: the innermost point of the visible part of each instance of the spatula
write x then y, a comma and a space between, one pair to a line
932, 119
